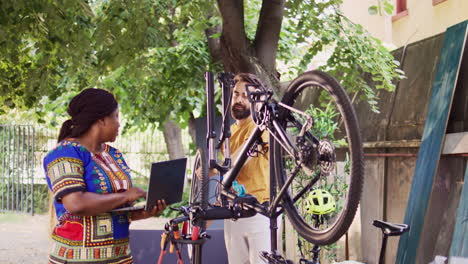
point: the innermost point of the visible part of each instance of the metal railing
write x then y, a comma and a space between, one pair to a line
17, 168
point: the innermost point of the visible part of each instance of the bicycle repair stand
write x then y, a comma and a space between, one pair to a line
170, 235
174, 238
315, 256
316, 249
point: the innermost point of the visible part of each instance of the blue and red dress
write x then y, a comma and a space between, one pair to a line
102, 238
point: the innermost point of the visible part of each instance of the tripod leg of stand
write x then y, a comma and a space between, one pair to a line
316, 249
316, 254
164, 243
196, 254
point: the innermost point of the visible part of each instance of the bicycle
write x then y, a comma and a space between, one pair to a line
314, 144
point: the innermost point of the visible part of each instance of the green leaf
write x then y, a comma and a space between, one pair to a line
373, 10
388, 7
216, 35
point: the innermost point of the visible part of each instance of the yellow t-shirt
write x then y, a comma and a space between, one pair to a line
255, 173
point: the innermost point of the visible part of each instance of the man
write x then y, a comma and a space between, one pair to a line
245, 238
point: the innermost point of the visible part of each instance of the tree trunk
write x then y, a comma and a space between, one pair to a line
192, 129
241, 54
173, 138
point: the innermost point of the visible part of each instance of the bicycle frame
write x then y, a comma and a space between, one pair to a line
228, 171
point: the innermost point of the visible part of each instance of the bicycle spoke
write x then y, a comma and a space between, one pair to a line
280, 142
306, 189
319, 121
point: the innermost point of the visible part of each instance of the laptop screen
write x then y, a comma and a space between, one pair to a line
166, 182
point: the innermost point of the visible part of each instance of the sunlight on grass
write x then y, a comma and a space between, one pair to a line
13, 217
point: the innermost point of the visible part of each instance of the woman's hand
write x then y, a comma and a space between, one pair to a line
158, 208
156, 211
134, 193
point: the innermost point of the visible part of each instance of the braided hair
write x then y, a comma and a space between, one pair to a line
86, 108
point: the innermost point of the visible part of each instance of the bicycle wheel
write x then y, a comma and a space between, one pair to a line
328, 171
199, 185
199, 198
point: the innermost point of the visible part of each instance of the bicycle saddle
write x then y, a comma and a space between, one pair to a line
391, 229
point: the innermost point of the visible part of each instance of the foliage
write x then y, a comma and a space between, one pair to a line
159, 93
383, 7
325, 124
39, 42
353, 53
152, 54
41, 198
147, 52
166, 80
326, 127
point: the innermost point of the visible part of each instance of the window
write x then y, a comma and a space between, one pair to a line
401, 10
401, 6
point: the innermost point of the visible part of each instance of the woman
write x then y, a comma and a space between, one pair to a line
88, 179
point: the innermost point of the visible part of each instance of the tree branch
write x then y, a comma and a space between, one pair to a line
234, 43
214, 44
268, 31
232, 12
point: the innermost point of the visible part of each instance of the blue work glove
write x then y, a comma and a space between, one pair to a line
239, 188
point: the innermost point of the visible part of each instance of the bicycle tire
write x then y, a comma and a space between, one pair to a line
297, 96
198, 197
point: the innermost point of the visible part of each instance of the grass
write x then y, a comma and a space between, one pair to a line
9, 217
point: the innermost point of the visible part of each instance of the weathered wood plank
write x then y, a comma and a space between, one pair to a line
399, 177
432, 139
445, 236
456, 143
439, 221
459, 247
372, 207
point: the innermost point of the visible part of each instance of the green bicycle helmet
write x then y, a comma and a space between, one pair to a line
320, 202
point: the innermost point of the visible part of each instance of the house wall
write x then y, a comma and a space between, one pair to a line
379, 26
424, 19
391, 148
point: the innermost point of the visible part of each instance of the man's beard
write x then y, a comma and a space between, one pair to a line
240, 111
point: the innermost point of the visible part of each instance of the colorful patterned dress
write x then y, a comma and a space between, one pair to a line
96, 239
